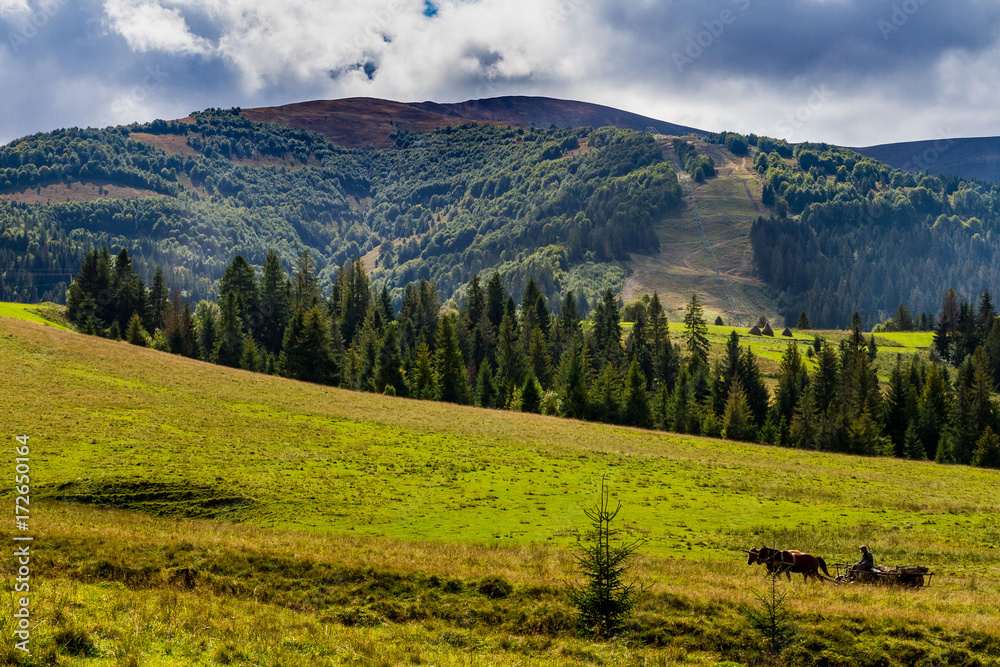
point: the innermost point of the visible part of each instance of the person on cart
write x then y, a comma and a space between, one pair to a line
867, 562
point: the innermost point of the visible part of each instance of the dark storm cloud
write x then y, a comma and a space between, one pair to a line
779, 41
851, 71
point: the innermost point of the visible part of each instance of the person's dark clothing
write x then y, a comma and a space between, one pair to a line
867, 562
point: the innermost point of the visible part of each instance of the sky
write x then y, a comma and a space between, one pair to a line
851, 72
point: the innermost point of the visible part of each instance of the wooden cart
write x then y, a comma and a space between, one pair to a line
908, 576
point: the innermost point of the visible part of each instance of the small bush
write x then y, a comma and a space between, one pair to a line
75, 641
495, 588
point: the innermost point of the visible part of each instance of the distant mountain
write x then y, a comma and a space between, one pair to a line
974, 157
357, 122
546, 112
364, 122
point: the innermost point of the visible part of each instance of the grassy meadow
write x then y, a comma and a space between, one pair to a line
186, 513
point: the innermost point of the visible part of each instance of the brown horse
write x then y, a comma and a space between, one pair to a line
754, 558
789, 561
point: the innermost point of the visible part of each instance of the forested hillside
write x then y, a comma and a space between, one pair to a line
563, 206
847, 233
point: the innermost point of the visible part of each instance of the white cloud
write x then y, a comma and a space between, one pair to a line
12, 7
148, 26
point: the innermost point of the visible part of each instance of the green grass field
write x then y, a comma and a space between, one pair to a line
42, 313
192, 514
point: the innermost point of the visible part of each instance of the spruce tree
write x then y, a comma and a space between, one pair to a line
803, 323
305, 285
635, 401
605, 395
250, 359
531, 395
305, 351
510, 359
538, 360
229, 345
159, 303
206, 317
574, 382
240, 280
486, 387
274, 299
134, 332
496, 298
388, 366
695, 330
449, 367
737, 422
422, 378
913, 448
987, 453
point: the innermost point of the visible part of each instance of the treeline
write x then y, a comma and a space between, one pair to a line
563, 206
493, 352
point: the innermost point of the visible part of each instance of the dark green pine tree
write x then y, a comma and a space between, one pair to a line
229, 345
737, 421
791, 382
486, 386
987, 315
638, 348
274, 291
128, 290
539, 363
803, 323
607, 332
305, 293
475, 304
573, 375
206, 317
250, 357
305, 351
422, 378
159, 302
805, 421
987, 453
896, 417
388, 366
531, 315
913, 447
635, 401
752, 382
385, 309
449, 367
510, 360
496, 299
240, 280
605, 395
826, 380
695, 330
531, 395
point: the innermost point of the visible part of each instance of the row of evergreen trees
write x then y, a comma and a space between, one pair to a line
496, 353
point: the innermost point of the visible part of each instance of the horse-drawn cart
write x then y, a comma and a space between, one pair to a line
908, 576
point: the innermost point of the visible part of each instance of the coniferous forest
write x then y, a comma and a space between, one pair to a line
521, 352
564, 206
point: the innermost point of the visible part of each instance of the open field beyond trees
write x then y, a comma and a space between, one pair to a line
193, 514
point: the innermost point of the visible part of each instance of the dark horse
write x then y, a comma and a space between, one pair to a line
789, 561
